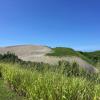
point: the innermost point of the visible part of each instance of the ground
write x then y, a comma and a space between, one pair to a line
7, 94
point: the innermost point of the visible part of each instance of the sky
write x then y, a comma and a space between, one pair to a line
54, 23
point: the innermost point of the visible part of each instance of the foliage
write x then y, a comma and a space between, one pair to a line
7, 94
9, 57
61, 51
39, 81
93, 56
64, 82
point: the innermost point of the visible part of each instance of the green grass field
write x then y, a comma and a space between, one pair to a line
49, 84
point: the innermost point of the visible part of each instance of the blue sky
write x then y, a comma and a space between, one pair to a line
68, 23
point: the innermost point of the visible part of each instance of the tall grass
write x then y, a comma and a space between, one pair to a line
49, 84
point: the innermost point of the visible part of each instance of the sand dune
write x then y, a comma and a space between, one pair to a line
38, 54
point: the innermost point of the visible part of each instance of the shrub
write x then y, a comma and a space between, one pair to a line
9, 57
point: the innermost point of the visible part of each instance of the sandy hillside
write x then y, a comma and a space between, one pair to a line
37, 54
26, 50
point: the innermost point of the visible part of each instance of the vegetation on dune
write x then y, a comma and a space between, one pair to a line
90, 57
62, 52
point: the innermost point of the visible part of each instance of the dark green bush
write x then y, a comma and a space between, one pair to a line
9, 57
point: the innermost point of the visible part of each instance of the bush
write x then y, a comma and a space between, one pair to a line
9, 57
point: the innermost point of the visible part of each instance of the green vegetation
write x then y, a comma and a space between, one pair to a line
62, 52
6, 93
90, 57
93, 56
50, 84
39, 81
9, 57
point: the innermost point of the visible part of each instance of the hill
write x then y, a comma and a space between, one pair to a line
62, 51
93, 56
26, 50
65, 52
65, 80
48, 55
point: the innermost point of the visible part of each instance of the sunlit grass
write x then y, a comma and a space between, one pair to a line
49, 85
